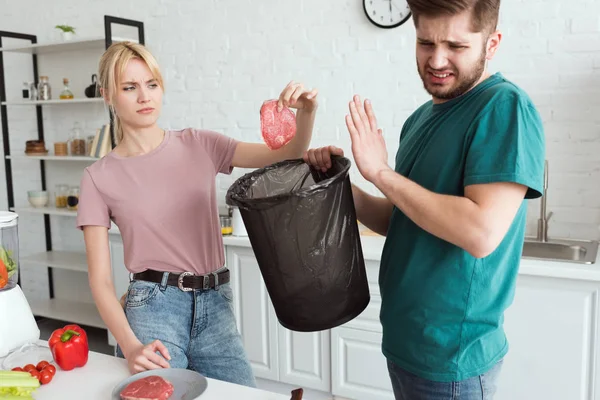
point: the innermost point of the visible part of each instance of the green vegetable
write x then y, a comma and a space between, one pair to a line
6, 373
17, 385
6, 258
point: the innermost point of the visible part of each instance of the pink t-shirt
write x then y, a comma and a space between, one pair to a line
164, 202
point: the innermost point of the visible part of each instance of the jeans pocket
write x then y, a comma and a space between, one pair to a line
226, 292
140, 293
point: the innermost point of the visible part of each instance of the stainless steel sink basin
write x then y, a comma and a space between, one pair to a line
578, 251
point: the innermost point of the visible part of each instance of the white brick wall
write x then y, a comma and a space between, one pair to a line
222, 59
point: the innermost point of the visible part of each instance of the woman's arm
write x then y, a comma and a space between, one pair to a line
140, 357
258, 155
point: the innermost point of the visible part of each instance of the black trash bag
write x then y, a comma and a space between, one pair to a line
302, 225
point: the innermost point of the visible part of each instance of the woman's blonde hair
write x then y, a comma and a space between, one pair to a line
111, 68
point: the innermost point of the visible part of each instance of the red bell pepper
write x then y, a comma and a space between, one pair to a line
69, 347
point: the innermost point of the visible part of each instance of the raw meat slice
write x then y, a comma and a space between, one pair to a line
277, 128
152, 387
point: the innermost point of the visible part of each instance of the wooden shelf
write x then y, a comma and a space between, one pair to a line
94, 100
68, 260
70, 45
50, 157
68, 311
45, 210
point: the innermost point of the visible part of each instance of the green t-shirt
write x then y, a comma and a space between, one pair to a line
442, 309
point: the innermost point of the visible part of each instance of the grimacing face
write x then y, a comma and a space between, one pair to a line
451, 58
138, 100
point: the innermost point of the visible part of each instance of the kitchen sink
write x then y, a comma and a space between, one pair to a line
578, 251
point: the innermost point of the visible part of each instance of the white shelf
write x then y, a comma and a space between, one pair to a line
93, 100
45, 210
50, 157
70, 45
68, 311
68, 260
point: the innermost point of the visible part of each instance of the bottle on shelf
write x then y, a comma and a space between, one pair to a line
73, 198
76, 142
66, 93
44, 89
26, 90
33, 92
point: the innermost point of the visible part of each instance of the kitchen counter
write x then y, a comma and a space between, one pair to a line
373, 246
96, 380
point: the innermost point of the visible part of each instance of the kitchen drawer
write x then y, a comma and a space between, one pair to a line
359, 368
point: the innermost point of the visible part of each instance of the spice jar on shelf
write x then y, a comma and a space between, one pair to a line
61, 149
44, 89
73, 198
76, 142
62, 192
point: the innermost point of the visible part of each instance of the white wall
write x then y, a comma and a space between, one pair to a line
221, 59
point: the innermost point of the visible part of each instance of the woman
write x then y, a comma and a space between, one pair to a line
158, 187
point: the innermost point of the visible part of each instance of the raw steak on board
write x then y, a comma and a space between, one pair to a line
149, 388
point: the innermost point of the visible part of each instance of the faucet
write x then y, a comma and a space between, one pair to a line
542, 232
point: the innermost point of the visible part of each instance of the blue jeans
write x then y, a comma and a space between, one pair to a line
197, 327
408, 386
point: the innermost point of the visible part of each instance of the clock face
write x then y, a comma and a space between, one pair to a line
387, 13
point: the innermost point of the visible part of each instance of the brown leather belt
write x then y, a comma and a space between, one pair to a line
186, 281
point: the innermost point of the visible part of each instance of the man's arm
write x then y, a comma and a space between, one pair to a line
476, 223
373, 212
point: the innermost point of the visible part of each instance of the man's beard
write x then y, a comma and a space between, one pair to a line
464, 81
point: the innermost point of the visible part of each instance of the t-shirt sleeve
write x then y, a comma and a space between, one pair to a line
92, 209
508, 145
219, 147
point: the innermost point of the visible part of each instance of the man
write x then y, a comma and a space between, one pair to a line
454, 210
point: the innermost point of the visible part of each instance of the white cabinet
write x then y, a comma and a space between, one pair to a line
305, 359
552, 330
255, 315
359, 368
276, 353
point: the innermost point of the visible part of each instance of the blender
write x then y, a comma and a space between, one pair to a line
18, 327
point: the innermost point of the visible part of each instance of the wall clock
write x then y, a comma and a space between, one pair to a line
386, 13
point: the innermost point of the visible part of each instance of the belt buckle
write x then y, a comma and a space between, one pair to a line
216, 275
205, 282
180, 281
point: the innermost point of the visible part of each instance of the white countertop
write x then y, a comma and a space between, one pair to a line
373, 246
96, 380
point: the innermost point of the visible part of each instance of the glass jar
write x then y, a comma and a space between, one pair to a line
89, 144
73, 198
226, 227
44, 89
60, 198
66, 93
9, 249
33, 92
76, 142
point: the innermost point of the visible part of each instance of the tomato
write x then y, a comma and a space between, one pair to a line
46, 376
41, 365
51, 368
35, 373
3, 275
17, 369
29, 368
